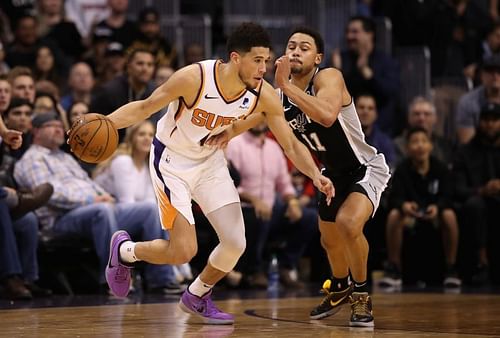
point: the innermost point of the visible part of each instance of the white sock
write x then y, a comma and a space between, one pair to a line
198, 288
127, 252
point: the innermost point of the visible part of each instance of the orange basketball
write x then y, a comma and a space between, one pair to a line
93, 138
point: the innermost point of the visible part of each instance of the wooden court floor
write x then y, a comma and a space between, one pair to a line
396, 315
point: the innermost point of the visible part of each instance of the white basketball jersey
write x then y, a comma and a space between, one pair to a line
184, 129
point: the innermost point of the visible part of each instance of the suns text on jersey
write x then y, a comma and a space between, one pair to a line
202, 118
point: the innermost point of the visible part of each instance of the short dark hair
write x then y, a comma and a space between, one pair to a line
17, 102
132, 53
318, 40
414, 130
367, 23
246, 36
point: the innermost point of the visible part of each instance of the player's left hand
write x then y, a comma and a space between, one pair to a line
324, 185
13, 138
218, 141
282, 74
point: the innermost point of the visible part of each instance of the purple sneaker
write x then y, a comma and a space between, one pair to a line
205, 308
117, 273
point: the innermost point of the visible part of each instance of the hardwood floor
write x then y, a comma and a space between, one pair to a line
397, 315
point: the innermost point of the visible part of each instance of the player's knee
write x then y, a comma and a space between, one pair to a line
237, 247
348, 226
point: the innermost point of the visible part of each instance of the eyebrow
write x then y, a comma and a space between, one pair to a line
300, 42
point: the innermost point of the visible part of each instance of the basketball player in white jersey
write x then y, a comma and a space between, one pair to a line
203, 100
321, 113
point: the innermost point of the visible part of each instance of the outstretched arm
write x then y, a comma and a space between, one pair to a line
329, 85
293, 148
183, 83
238, 127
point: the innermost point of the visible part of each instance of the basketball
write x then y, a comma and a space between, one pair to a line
93, 138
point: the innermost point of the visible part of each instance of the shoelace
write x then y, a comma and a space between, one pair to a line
121, 274
326, 300
360, 306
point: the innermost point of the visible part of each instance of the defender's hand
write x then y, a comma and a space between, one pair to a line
324, 185
218, 141
282, 75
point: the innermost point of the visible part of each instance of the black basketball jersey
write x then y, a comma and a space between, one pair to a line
341, 148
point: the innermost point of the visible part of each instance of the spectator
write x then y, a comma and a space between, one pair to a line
5, 94
81, 207
477, 177
126, 174
269, 75
4, 67
193, 53
80, 82
366, 108
422, 113
122, 30
46, 103
22, 83
56, 27
22, 51
15, 9
18, 117
86, 14
45, 67
368, 70
263, 172
469, 105
135, 84
95, 55
77, 110
421, 191
486, 48
19, 242
114, 62
162, 74
151, 38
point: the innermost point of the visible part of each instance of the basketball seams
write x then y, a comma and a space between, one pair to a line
95, 133
107, 140
96, 138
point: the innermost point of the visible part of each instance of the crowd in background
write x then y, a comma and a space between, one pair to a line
58, 62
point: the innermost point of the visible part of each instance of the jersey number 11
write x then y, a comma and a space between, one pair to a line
313, 141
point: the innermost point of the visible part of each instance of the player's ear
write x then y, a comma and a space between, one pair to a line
318, 59
235, 57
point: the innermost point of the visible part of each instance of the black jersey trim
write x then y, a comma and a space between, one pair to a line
200, 89
347, 105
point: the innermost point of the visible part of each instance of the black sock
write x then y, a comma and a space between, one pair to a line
339, 284
360, 286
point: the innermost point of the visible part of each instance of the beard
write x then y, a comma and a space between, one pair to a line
296, 69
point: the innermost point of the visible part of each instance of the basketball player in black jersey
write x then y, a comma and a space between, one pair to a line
321, 113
